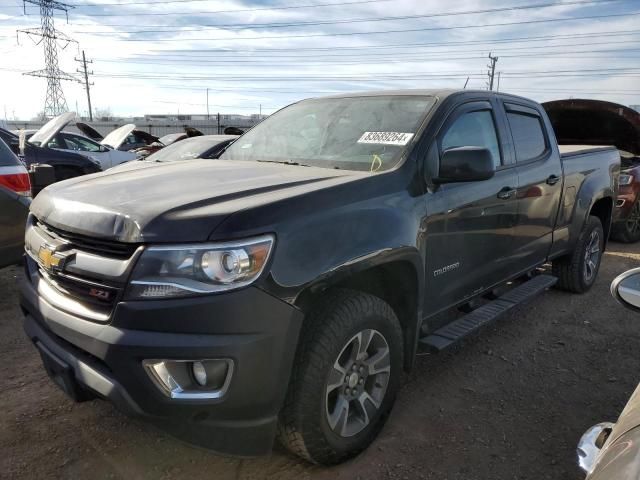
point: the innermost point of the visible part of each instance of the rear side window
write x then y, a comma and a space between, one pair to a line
474, 129
528, 135
7, 157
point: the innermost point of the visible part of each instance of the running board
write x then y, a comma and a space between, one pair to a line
451, 333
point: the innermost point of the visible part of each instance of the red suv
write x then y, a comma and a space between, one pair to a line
595, 122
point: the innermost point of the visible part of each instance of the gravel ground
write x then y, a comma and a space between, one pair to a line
510, 403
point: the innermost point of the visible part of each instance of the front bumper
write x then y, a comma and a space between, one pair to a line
590, 445
257, 331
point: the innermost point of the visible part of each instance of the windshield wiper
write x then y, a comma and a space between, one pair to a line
283, 162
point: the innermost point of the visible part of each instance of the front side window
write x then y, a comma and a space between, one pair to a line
81, 144
354, 133
474, 129
528, 135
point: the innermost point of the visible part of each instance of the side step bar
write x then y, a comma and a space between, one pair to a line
458, 329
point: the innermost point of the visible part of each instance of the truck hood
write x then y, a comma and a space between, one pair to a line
595, 122
173, 201
50, 129
117, 136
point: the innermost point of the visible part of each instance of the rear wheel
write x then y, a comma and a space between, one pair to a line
344, 380
577, 272
628, 230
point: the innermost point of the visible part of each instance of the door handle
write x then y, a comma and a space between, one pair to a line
553, 179
506, 193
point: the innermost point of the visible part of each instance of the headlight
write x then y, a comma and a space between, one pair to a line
186, 270
625, 179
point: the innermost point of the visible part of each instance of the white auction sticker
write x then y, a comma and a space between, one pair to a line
386, 138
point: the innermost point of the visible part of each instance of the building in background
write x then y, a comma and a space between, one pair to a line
159, 124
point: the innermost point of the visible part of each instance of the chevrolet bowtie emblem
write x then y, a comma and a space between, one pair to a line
51, 260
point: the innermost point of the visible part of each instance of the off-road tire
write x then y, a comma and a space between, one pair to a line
570, 269
627, 231
303, 426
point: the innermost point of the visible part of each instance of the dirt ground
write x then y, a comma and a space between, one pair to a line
511, 403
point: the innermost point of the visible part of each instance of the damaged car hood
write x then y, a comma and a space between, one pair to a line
50, 129
119, 135
595, 122
173, 201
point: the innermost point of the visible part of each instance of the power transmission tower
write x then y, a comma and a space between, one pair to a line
54, 103
492, 70
85, 72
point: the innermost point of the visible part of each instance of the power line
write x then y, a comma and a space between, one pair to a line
251, 26
286, 7
359, 59
342, 34
492, 41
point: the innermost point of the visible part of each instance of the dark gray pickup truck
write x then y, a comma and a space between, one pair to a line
283, 288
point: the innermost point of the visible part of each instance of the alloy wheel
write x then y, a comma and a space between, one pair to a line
357, 383
592, 256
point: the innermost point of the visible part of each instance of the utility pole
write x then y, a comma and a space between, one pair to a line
260, 112
54, 103
492, 70
498, 87
218, 123
207, 104
83, 61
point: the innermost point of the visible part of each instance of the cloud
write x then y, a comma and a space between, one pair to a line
245, 62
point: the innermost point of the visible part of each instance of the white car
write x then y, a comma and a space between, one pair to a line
106, 152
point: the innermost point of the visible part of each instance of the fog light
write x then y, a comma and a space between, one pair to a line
199, 373
191, 379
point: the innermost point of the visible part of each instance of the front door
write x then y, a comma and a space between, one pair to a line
469, 234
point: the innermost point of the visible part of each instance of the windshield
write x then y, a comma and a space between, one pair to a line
357, 133
185, 149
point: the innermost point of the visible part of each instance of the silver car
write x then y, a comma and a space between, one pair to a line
610, 451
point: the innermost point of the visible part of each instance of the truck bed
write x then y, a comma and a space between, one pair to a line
567, 151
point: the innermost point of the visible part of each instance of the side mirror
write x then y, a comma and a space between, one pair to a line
465, 164
103, 149
626, 289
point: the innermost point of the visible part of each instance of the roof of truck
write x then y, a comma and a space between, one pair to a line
428, 92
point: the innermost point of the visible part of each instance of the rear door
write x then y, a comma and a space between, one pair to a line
540, 181
468, 242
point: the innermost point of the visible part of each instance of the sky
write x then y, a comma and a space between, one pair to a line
162, 56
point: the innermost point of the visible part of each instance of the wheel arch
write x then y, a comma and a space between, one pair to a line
398, 281
603, 209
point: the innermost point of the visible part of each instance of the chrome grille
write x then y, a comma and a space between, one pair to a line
91, 283
88, 244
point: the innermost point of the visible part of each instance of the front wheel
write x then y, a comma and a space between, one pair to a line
344, 380
577, 271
